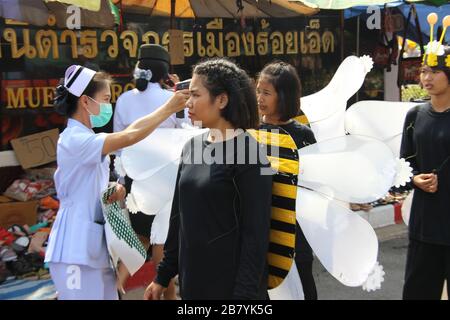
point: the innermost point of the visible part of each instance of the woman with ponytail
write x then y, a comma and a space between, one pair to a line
77, 252
149, 75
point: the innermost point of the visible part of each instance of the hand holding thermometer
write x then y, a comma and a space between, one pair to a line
180, 86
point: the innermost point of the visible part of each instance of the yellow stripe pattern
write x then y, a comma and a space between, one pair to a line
281, 254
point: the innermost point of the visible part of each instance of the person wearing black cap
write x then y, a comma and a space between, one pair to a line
77, 253
150, 72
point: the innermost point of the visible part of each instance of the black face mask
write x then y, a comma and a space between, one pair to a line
141, 84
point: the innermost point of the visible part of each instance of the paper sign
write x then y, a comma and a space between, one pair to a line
176, 47
36, 149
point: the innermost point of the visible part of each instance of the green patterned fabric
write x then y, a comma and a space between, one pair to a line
119, 223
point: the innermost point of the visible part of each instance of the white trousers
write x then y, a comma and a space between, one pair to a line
80, 282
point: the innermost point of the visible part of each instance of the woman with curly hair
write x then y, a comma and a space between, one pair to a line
219, 228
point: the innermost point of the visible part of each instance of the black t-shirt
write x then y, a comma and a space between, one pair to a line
426, 145
302, 136
219, 227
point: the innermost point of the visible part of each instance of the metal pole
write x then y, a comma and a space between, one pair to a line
357, 34
357, 46
172, 12
342, 35
172, 18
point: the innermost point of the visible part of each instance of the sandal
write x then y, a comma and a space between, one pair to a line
21, 244
37, 227
6, 237
5, 274
7, 254
49, 203
43, 274
37, 242
35, 260
20, 267
18, 230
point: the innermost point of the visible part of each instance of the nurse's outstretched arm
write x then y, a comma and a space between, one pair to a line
142, 127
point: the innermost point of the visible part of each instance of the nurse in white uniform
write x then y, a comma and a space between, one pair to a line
77, 252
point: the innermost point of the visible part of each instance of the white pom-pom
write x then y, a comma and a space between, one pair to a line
131, 204
119, 167
403, 172
375, 278
436, 48
368, 63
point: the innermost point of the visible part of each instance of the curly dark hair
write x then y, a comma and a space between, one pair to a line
221, 75
286, 82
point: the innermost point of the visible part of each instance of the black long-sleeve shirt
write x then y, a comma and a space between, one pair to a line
426, 145
219, 226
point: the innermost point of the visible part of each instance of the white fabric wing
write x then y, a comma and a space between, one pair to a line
290, 289
406, 207
381, 120
350, 168
160, 225
345, 243
161, 147
326, 109
152, 194
153, 165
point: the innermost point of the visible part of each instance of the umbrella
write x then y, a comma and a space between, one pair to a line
218, 8
433, 2
423, 9
93, 5
341, 4
38, 12
345, 4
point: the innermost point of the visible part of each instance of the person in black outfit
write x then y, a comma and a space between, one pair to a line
151, 70
220, 219
426, 145
278, 92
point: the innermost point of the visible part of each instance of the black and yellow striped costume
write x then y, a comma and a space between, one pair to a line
284, 192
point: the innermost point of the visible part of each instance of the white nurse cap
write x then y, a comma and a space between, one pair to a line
77, 78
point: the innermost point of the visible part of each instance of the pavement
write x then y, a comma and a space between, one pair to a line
392, 255
382, 216
393, 243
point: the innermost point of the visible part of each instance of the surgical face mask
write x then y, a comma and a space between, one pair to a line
104, 115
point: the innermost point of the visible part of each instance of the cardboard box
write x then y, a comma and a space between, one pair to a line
10, 169
36, 149
18, 213
4, 199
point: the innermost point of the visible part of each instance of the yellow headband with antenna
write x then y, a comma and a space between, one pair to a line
435, 55
432, 19
445, 24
